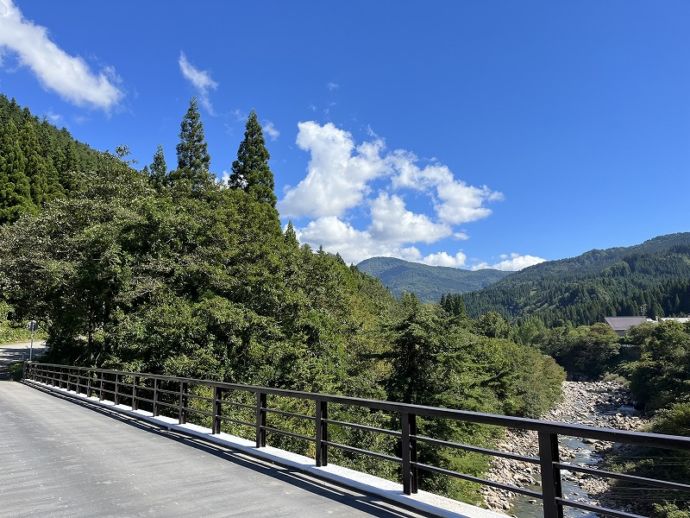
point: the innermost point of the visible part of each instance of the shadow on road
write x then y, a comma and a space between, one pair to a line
372, 505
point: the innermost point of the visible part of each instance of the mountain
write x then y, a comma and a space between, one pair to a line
427, 282
39, 162
654, 276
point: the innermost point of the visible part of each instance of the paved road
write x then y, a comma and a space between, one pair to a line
16, 352
59, 458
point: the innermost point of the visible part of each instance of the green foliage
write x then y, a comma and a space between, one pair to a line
158, 172
11, 331
38, 162
662, 374
453, 304
492, 325
193, 159
669, 511
586, 352
600, 283
660, 382
436, 361
428, 283
251, 172
15, 188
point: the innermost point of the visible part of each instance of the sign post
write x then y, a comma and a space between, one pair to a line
33, 325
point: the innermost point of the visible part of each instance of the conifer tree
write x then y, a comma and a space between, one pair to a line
291, 236
158, 173
36, 167
192, 152
15, 188
251, 171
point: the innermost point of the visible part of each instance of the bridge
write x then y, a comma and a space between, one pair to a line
82, 441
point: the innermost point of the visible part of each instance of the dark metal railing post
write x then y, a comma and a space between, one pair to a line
182, 416
550, 474
260, 419
406, 453
413, 453
321, 433
88, 384
155, 397
116, 395
135, 400
217, 409
100, 387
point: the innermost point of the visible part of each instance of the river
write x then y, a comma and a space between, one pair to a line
601, 403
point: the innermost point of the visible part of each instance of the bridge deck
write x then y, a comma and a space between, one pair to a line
58, 458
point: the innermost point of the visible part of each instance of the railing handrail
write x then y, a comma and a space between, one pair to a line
524, 423
93, 379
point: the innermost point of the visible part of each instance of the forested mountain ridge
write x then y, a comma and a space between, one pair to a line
428, 283
654, 276
39, 162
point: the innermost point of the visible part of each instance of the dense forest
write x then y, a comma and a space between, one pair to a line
428, 283
653, 277
168, 271
38, 162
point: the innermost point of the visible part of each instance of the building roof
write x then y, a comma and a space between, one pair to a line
625, 323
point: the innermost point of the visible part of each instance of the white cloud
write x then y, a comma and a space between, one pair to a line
511, 262
53, 117
337, 236
341, 176
271, 130
57, 70
445, 259
337, 175
392, 222
456, 202
332, 86
200, 79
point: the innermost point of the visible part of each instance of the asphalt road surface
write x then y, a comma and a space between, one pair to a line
59, 458
16, 352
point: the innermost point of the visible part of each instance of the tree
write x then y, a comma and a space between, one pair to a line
251, 171
192, 152
492, 325
291, 236
36, 167
415, 346
158, 172
15, 188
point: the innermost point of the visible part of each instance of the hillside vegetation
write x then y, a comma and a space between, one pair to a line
427, 282
167, 271
654, 276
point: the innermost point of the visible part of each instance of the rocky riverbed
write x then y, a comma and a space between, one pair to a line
600, 403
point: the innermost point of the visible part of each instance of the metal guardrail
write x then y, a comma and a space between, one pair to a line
91, 381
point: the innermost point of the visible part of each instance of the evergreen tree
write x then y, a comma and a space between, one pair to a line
15, 188
291, 236
36, 167
192, 152
251, 171
158, 173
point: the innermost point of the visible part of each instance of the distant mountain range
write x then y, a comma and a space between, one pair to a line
427, 282
652, 277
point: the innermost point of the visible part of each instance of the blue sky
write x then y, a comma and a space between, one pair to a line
455, 133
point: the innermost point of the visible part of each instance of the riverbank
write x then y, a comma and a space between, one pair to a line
606, 404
